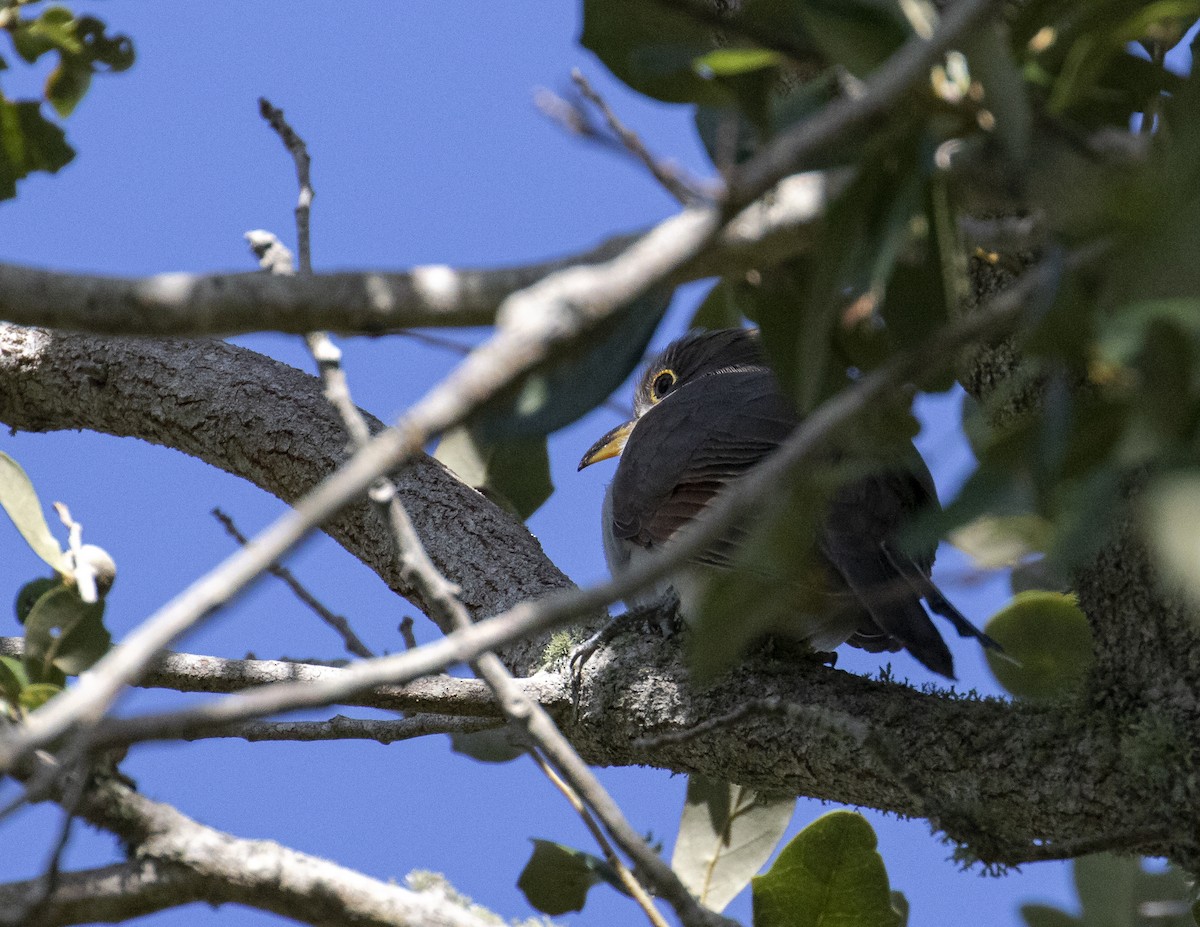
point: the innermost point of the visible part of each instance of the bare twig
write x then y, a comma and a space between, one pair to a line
339, 727
631, 884
672, 178
406, 633
299, 152
351, 640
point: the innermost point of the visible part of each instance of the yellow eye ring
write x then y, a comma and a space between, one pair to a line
662, 383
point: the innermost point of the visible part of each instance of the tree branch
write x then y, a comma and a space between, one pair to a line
378, 302
179, 860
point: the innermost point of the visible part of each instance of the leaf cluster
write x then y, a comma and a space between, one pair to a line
28, 140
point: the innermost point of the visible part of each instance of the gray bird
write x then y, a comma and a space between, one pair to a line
706, 410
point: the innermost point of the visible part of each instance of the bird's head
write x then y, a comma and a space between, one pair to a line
692, 357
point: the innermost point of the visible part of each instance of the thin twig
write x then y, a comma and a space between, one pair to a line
631, 884
685, 190
339, 727
299, 152
406, 633
340, 624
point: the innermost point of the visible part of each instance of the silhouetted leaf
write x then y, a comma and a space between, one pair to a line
557, 878
579, 380
1117, 891
514, 473
1048, 636
494, 746
726, 834
830, 873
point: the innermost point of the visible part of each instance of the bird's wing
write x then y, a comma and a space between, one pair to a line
701, 437
857, 539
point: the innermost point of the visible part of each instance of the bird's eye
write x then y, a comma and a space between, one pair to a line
663, 383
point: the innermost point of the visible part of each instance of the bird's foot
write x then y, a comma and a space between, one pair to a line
661, 615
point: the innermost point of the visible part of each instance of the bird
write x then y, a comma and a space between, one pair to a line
706, 410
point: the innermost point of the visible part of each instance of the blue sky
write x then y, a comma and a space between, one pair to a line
426, 148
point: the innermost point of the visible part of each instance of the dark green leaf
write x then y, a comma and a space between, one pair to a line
67, 84
776, 584
1040, 915
719, 309
1048, 637
989, 53
557, 878
28, 142
487, 746
13, 679
859, 35
726, 834
33, 590
514, 473
900, 906
115, 52
652, 48
579, 380
63, 633
831, 873
730, 138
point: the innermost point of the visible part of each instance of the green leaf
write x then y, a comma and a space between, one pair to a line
493, 746
28, 142
64, 633
557, 878
68, 84
726, 834
830, 873
20, 500
13, 679
728, 62
1048, 636
37, 694
995, 541
514, 473
580, 379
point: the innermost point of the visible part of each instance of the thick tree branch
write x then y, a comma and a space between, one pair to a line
268, 423
178, 860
